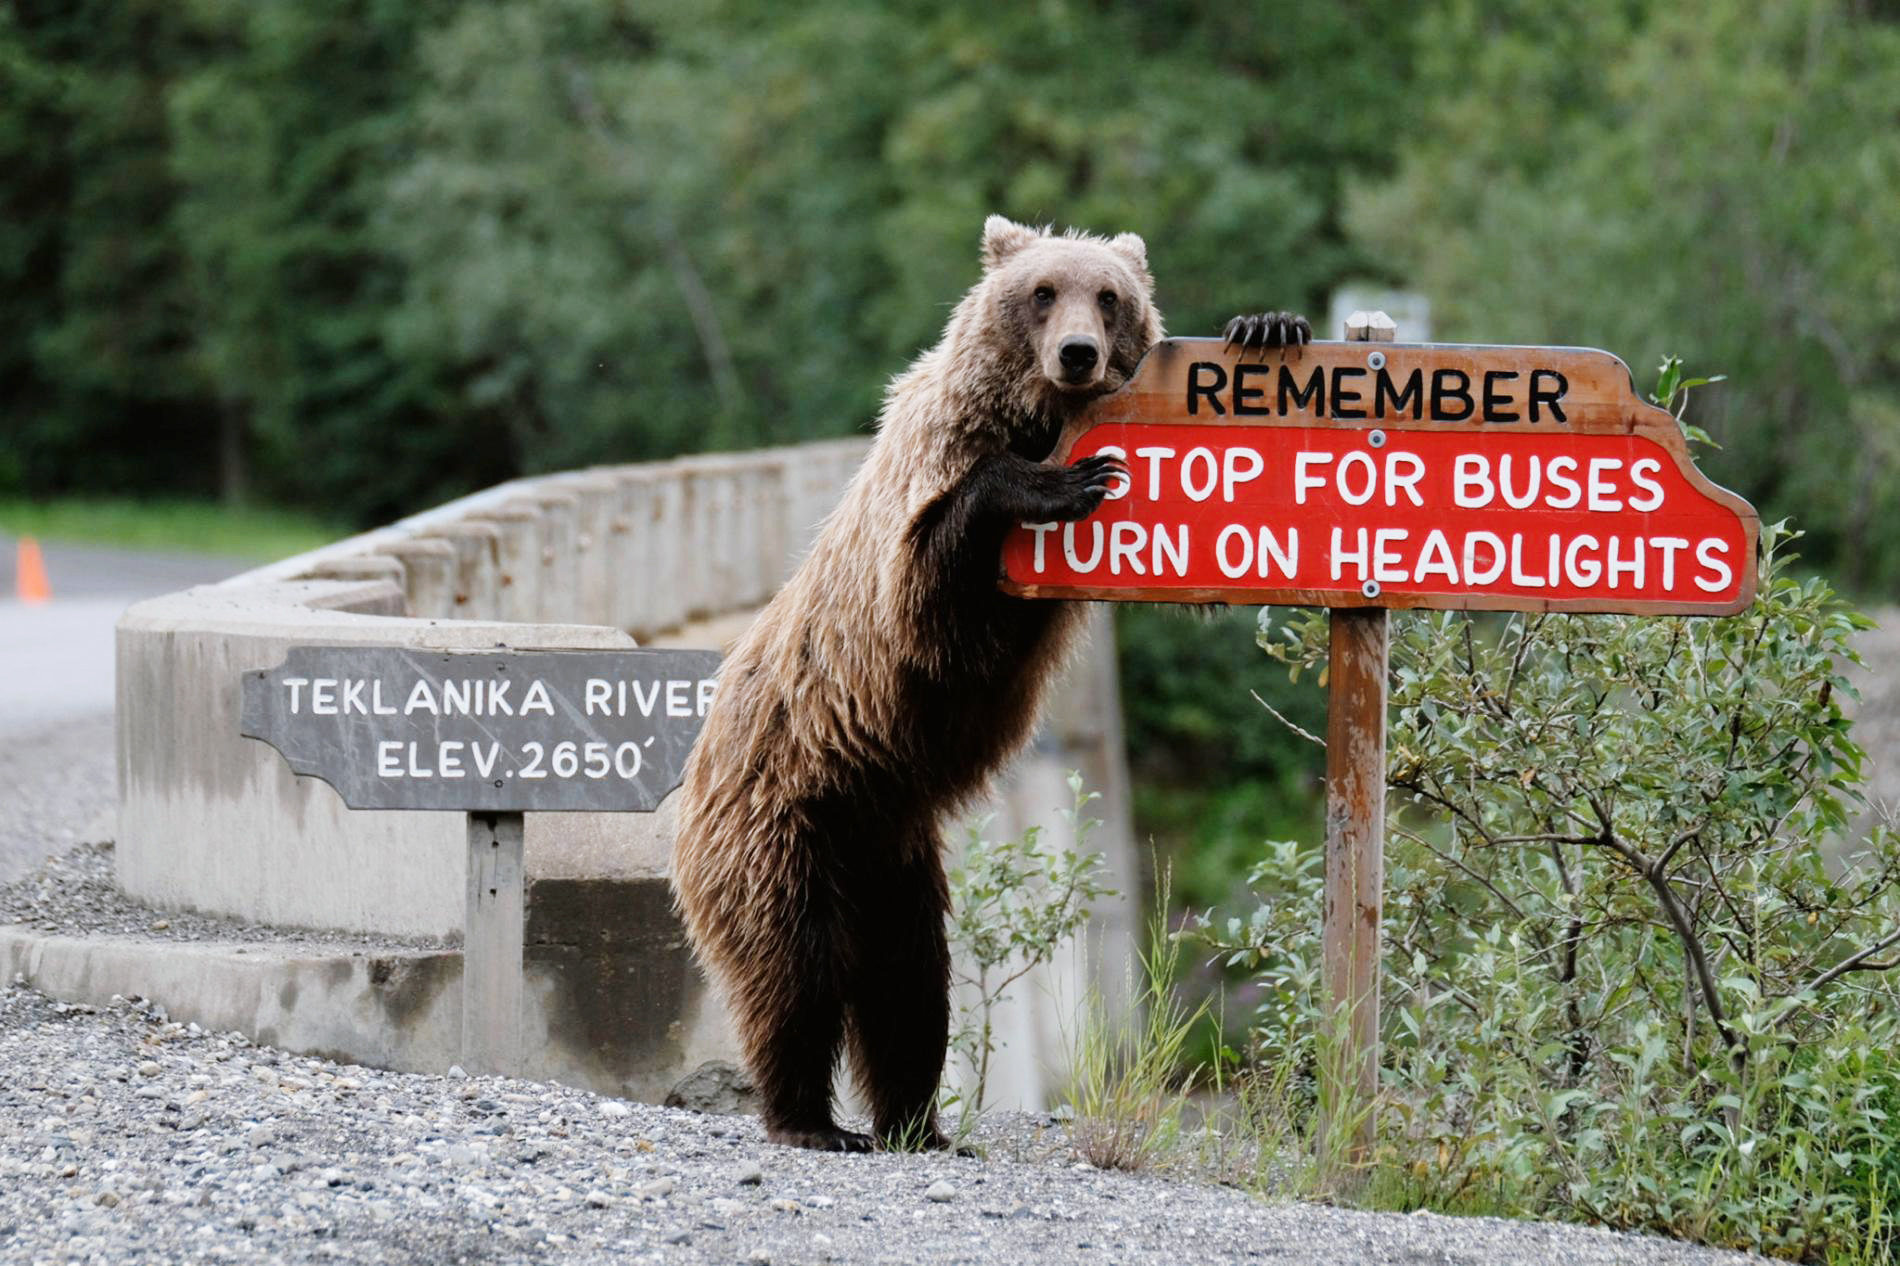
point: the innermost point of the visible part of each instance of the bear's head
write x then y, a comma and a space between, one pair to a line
1066, 317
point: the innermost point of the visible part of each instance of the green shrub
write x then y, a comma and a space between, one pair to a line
1636, 968
1013, 904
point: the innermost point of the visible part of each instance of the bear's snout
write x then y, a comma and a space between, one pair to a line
1078, 354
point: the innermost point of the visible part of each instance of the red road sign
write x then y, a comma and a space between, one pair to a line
1393, 475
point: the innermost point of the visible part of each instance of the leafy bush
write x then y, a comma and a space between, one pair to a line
1635, 970
1014, 903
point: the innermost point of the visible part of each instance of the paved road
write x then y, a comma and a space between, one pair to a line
56, 757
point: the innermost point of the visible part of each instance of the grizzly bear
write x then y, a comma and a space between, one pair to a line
890, 678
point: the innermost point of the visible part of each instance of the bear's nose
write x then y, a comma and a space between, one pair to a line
1078, 354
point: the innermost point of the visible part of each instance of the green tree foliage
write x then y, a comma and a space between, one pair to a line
98, 319
283, 142
1719, 181
647, 229
368, 254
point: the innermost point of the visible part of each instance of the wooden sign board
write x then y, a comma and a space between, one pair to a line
495, 734
485, 731
1392, 475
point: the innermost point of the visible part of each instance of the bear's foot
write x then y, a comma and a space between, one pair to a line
1268, 329
824, 1139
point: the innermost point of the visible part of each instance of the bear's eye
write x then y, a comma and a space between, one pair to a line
1108, 300
1045, 295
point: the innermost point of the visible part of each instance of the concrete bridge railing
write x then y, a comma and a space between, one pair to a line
674, 553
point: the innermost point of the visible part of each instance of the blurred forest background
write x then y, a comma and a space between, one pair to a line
359, 257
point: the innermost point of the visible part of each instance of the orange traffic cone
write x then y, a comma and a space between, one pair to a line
30, 575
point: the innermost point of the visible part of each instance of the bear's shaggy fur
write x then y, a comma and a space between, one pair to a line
886, 683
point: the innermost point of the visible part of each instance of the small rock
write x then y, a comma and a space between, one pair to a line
149, 1069
456, 1073
940, 1192
785, 1206
679, 1237
260, 1136
614, 1108
749, 1174
658, 1189
759, 1257
725, 1206
162, 925
715, 1086
598, 1199
106, 1199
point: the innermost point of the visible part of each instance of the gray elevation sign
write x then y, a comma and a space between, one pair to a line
485, 731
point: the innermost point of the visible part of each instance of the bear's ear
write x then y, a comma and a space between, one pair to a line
1133, 249
1002, 238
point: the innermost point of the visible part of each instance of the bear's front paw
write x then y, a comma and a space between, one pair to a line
1073, 492
1269, 329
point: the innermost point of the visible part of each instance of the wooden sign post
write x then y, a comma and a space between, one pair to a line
493, 734
1364, 475
1358, 653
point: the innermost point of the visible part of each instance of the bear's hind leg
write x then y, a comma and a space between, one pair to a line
899, 995
791, 1021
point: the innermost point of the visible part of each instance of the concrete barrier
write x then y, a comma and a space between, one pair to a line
477, 586
675, 553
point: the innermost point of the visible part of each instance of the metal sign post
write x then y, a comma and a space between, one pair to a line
495, 734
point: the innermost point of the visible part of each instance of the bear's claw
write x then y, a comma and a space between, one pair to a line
831, 1140
1099, 472
1082, 487
1268, 329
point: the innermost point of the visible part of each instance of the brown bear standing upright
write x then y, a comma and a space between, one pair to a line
890, 679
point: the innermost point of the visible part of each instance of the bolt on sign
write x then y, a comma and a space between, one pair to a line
1393, 475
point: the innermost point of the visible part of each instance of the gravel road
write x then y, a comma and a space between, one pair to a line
76, 894
128, 1138
57, 789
